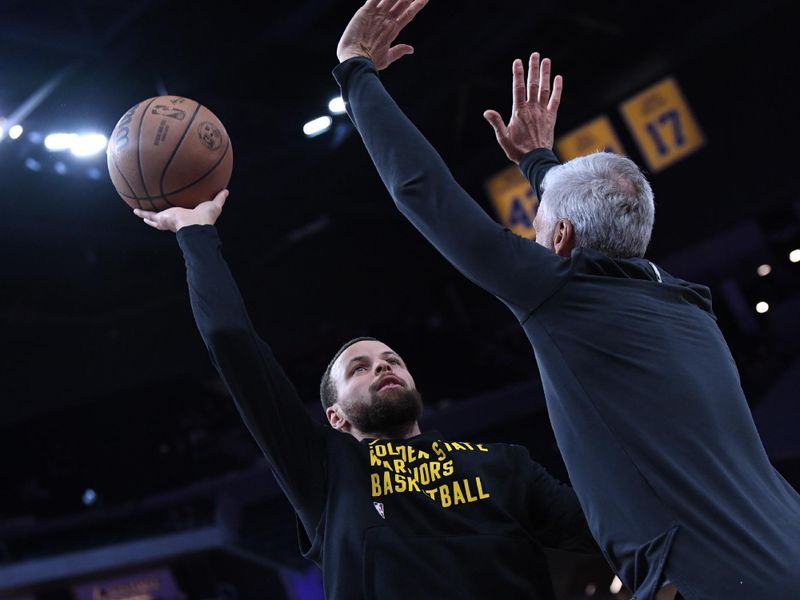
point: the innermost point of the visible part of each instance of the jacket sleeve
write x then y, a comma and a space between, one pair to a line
269, 405
512, 268
556, 515
535, 165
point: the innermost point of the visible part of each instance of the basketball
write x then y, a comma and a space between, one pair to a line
169, 151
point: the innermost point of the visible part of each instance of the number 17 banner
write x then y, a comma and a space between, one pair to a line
662, 124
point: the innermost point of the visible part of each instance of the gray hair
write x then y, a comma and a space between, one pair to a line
606, 198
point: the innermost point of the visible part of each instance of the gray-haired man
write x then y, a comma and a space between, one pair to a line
643, 394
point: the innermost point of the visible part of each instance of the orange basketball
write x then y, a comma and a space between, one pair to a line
169, 151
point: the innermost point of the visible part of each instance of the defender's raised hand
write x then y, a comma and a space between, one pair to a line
533, 112
172, 219
373, 29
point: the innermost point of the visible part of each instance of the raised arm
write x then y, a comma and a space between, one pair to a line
512, 268
270, 407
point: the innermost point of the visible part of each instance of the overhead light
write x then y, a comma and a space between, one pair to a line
88, 144
616, 585
317, 126
15, 131
762, 307
89, 497
80, 145
794, 255
764, 270
336, 106
58, 142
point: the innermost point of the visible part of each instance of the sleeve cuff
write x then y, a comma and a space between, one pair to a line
343, 71
196, 233
534, 157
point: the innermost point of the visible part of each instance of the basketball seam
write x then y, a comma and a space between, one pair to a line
174, 152
130, 187
203, 176
139, 147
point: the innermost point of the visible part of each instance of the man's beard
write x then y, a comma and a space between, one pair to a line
386, 411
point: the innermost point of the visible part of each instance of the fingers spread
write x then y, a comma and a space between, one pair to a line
518, 84
533, 76
496, 121
555, 97
395, 8
411, 12
544, 81
396, 52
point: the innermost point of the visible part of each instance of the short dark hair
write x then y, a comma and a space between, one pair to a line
327, 389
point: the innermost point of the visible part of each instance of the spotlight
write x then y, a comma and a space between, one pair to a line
88, 144
89, 497
15, 131
762, 307
60, 168
794, 255
764, 270
336, 106
58, 142
317, 126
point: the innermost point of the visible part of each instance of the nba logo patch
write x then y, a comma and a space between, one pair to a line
379, 507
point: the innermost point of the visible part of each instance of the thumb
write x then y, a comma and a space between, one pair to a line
219, 199
496, 121
399, 51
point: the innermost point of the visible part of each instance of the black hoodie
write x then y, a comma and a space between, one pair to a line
425, 517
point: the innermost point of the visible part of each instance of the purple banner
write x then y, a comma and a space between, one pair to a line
151, 585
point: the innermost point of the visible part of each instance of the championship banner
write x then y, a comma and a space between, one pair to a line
662, 124
153, 585
596, 135
514, 201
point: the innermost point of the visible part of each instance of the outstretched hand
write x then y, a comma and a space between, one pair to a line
533, 112
374, 27
173, 219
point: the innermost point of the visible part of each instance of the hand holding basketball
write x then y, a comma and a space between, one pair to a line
169, 151
173, 219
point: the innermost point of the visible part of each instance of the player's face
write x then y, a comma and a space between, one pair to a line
374, 388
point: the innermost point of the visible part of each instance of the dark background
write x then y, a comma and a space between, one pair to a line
105, 382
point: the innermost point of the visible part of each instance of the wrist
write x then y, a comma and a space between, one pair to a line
351, 52
181, 223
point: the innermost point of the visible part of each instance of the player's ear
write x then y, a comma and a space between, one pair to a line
335, 416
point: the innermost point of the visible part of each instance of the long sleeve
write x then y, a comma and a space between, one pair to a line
267, 401
535, 165
514, 269
556, 515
